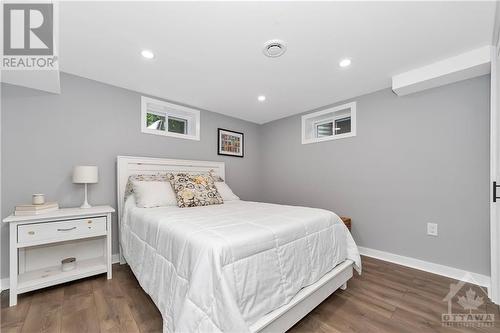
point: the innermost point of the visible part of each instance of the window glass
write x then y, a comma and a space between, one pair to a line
343, 125
325, 129
177, 125
154, 121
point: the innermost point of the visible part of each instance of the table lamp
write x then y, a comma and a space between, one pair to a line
85, 174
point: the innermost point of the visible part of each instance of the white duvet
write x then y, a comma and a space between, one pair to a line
222, 267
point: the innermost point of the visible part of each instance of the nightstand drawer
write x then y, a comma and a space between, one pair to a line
61, 230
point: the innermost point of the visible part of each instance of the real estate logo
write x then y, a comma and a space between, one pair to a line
28, 36
472, 310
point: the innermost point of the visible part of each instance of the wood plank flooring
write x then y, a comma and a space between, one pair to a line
386, 298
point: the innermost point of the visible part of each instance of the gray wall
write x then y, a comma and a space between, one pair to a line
416, 159
45, 135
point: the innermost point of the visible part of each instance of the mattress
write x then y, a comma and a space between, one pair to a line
220, 268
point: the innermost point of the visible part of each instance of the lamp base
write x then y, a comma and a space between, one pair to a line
85, 202
85, 205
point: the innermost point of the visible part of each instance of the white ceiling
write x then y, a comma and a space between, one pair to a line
209, 54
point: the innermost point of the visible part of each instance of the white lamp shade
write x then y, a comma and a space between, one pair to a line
85, 174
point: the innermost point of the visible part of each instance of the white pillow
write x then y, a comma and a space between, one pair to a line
150, 194
225, 192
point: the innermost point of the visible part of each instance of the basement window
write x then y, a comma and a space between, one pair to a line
167, 119
330, 124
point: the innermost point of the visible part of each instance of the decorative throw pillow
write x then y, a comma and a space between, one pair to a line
194, 190
215, 176
159, 177
225, 192
149, 194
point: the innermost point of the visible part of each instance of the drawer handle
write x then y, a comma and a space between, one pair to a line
31, 232
68, 229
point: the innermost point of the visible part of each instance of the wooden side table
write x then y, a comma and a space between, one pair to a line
347, 222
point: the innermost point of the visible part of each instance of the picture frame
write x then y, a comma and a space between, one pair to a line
230, 143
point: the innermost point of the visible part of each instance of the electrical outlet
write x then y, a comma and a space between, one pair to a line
432, 229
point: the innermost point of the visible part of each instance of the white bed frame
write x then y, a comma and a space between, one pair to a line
279, 320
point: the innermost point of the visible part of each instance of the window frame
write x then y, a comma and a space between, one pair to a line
313, 124
173, 111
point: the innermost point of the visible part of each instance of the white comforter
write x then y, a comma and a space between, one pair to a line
222, 267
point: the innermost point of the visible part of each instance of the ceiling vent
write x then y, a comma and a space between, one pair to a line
274, 48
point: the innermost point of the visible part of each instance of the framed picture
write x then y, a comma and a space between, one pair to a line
230, 143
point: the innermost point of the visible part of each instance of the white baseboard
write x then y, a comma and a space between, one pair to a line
4, 283
451, 272
115, 258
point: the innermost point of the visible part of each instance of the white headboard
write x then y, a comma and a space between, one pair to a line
130, 165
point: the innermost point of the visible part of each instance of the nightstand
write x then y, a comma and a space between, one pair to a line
347, 222
38, 243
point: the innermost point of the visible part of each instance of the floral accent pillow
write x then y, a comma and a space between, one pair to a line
194, 190
159, 177
215, 176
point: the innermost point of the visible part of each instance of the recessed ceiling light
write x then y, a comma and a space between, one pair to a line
261, 98
148, 54
345, 63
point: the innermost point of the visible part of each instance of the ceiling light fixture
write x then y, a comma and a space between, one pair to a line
274, 48
345, 63
148, 54
261, 98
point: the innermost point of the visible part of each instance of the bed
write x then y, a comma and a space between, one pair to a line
237, 267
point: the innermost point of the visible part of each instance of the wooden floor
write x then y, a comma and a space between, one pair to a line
386, 298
